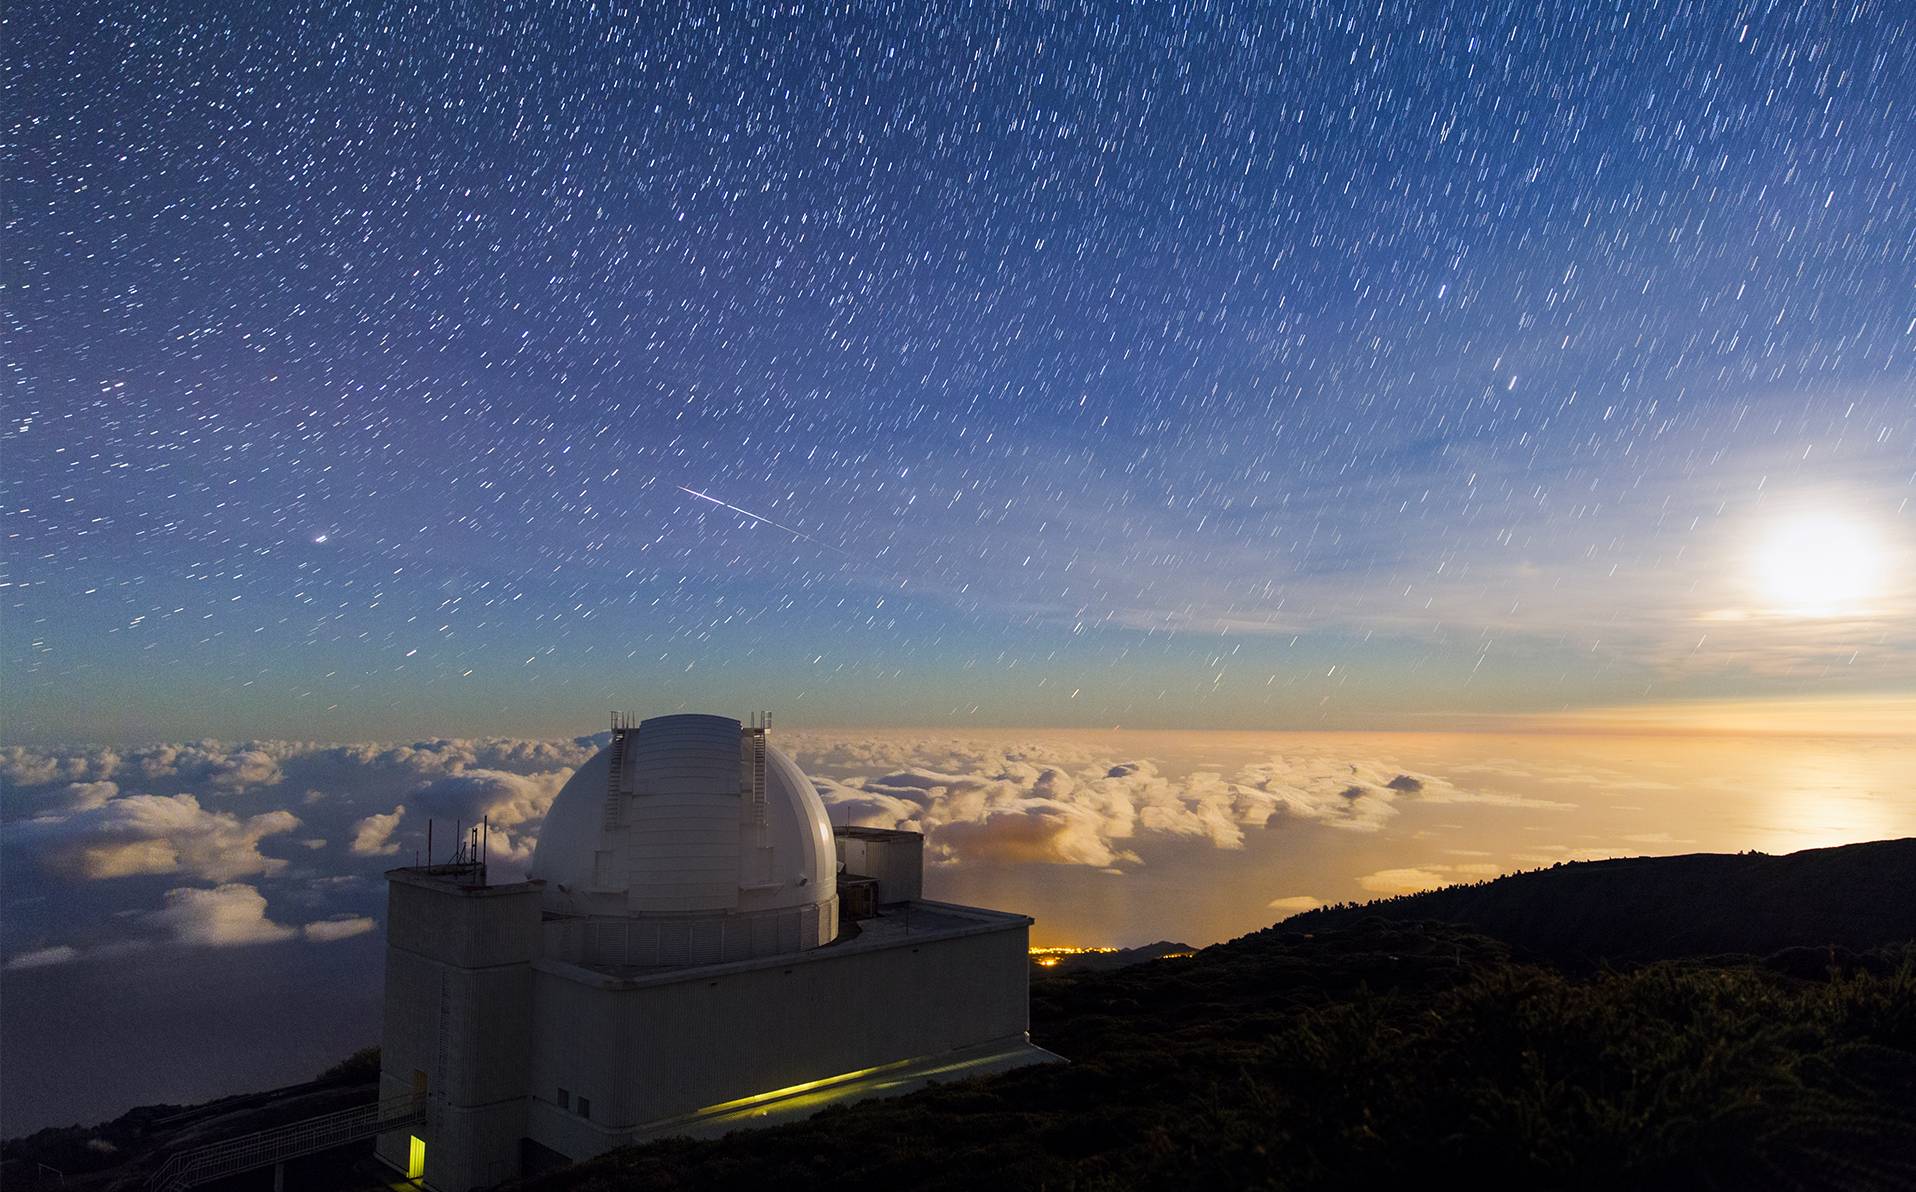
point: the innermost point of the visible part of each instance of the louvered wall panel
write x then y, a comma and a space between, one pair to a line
682, 847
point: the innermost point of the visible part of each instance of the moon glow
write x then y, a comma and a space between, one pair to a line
1818, 565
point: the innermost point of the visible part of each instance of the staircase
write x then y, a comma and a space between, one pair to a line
201, 1165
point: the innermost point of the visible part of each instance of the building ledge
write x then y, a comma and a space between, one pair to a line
854, 833
468, 880
897, 925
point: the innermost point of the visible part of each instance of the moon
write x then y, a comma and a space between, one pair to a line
1818, 565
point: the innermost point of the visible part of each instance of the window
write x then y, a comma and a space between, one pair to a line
585, 1107
416, 1159
565, 1099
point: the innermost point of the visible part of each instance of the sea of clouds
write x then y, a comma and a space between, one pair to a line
211, 844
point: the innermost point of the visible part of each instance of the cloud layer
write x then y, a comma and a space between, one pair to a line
277, 841
303, 826
1065, 805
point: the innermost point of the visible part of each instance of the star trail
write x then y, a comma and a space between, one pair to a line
1220, 363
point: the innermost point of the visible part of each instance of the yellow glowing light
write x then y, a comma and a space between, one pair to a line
814, 1094
1819, 565
794, 1089
416, 1159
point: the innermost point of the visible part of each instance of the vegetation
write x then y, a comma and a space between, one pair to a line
1474, 1033
361, 1067
119, 1153
1379, 1053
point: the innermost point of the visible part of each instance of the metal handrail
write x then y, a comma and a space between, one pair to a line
307, 1136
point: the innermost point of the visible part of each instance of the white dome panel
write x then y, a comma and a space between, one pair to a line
691, 828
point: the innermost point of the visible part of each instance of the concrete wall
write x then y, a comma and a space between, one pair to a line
617, 941
896, 859
645, 1051
458, 1000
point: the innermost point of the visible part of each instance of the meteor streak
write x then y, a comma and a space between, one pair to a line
768, 521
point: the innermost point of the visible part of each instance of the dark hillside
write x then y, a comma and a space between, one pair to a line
1856, 896
1379, 1054
1364, 1052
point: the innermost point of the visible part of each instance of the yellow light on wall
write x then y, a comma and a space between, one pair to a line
416, 1159
792, 1090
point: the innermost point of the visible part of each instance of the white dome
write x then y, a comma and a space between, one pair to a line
690, 836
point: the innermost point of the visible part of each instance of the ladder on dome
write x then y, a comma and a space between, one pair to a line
760, 866
622, 726
758, 777
202, 1165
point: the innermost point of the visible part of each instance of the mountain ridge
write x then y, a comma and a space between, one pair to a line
1854, 896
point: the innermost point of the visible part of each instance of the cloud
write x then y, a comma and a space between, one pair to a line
1402, 881
226, 916
211, 812
1424, 877
508, 799
153, 834
213, 765
43, 958
343, 791
85, 796
1028, 803
23, 767
1294, 903
68, 954
1008, 810
513, 804
372, 836
1019, 801
1045, 832
328, 930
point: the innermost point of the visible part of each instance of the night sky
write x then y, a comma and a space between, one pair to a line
1159, 365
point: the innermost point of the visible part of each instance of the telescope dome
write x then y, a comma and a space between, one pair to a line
689, 839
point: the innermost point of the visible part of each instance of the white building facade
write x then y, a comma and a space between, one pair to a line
680, 963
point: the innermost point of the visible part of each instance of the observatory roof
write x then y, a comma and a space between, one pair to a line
687, 815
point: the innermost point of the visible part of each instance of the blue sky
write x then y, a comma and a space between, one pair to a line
1162, 367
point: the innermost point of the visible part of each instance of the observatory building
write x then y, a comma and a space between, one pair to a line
697, 949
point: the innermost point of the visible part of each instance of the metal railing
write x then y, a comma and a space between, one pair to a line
307, 1137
